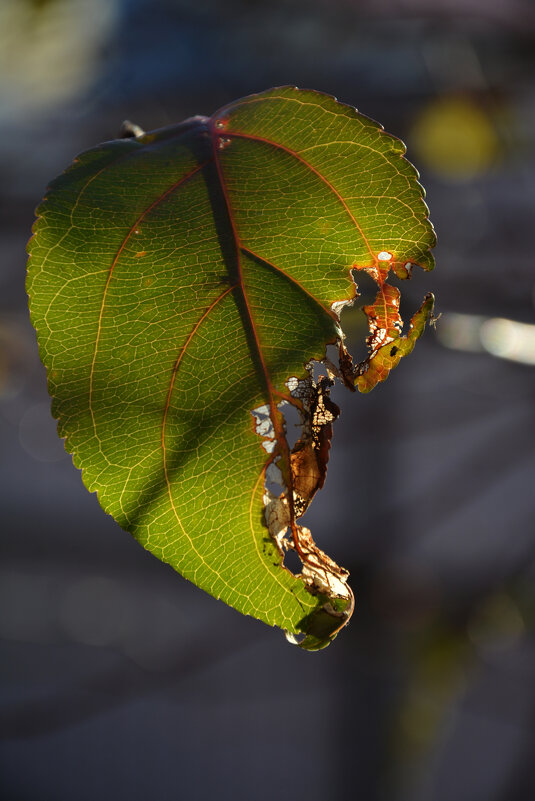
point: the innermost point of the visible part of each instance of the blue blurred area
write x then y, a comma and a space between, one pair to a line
121, 679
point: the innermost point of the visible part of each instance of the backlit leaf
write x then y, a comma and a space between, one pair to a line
180, 281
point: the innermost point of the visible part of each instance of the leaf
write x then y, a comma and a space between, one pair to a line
179, 282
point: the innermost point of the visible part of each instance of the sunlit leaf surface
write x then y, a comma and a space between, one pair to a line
179, 283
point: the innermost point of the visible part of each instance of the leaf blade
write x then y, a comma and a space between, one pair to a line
177, 281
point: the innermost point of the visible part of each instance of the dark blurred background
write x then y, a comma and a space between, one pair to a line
120, 679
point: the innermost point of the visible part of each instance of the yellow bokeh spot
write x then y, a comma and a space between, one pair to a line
455, 138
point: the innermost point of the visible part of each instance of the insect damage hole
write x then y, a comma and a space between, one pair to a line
292, 562
293, 423
264, 427
274, 482
353, 319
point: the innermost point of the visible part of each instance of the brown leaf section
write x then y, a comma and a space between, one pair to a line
310, 453
384, 319
384, 358
386, 350
308, 467
385, 342
321, 572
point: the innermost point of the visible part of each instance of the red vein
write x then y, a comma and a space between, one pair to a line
164, 423
289, 398
290, 278
173, 377
252, 137
241, 285
273, 411
113, 265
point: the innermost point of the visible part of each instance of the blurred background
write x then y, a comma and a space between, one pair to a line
120, 679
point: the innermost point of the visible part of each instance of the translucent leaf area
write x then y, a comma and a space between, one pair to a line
181, 282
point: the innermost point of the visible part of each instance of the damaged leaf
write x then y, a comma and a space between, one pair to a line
181, 283
386, 353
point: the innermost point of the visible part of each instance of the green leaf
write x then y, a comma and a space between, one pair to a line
179, 282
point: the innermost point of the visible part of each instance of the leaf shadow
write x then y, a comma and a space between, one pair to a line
200, 428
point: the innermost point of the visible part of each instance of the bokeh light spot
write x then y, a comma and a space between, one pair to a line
455, 138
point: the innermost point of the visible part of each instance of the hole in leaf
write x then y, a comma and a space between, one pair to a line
274, 482
294, 423
353, 320
367, 289
318, 370
263, 424
292, 562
